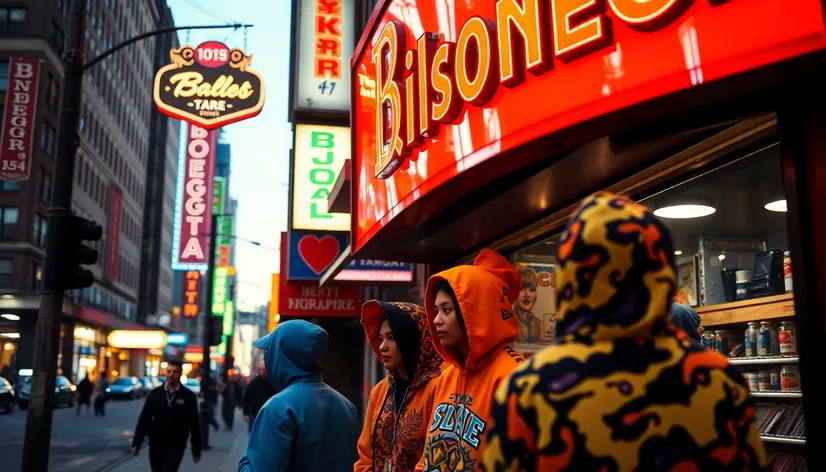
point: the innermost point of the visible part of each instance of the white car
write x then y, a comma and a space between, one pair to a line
194, 385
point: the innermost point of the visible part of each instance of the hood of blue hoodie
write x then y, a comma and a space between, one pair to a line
293, 353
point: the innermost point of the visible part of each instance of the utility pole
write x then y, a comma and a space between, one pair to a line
47, 337
206, 411
62, 229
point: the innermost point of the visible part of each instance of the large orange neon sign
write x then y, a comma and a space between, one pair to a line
469, 71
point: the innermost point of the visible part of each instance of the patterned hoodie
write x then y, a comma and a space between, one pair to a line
622, 390
485, 292
386, 434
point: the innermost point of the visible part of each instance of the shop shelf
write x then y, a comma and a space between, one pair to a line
758, 309
782, 439
780, 394
763, 360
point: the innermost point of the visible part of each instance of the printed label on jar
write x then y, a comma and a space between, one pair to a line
751, 380
788, 343
764, 381
789, 382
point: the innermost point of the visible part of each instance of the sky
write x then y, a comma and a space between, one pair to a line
259, 173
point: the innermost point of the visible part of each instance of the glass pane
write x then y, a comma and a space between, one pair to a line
18, 15
10, 215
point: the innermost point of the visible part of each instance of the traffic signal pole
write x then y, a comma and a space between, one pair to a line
206, 410
47, 337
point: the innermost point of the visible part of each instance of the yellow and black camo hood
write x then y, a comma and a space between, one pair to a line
616, 275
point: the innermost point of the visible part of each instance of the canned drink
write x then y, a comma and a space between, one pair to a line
774, 379
787, 337
790, 378
764, 341
764, 381
722, 343
708, 340
751, 380
752, 334
787, 271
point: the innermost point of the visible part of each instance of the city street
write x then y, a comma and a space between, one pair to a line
91, 444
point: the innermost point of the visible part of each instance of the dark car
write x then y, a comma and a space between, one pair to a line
129, 388
6, 395
64, 392
148, 385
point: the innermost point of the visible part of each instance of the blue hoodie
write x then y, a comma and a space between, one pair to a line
306, 425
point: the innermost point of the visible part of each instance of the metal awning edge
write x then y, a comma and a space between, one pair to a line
343, 260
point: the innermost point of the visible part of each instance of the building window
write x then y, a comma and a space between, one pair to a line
5, 272
44, 186
12, 21
40, 230
56, 38
37, 276
52, 93
8, 222
47, 139
4, 186
4, 75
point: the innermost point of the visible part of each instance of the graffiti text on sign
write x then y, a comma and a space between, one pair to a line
327, 63
421, 89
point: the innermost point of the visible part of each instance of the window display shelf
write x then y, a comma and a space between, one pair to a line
780, 394
782, 439
758, 309
764, 360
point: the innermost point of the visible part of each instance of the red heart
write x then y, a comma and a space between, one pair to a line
318, 254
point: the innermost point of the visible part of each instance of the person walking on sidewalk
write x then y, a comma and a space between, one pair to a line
84, 394
168, 418
100, 397
306, 425
258, 392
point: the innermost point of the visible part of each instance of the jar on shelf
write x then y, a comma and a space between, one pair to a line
721, 343
787, 338
752, 381
787, 271
741, 281
765, 343
752, 335
764, 381
774, 379
790, 378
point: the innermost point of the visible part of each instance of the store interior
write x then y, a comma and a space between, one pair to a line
728, 225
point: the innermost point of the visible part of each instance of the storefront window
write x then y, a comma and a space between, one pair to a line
728, 227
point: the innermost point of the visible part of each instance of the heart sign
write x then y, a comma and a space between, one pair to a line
317, 253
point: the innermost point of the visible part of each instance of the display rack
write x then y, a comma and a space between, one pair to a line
758, 309
764, 360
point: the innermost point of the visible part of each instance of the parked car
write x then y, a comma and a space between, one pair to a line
6, 395
125, 387
148, 385
194, 385
64, 392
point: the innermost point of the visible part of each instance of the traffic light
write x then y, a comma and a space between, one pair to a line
74, 253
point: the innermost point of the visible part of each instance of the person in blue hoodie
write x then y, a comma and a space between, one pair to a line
306, 426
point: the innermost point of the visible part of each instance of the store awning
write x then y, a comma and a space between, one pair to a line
339, 199
343, 260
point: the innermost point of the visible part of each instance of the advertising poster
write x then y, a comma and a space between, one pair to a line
19, 119
536, 306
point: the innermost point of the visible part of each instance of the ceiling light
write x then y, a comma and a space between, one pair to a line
10, 335
10, 317
7, 296
680, 212
678, 253
777, 206
722, 257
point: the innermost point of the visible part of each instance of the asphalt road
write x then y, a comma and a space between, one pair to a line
85, 443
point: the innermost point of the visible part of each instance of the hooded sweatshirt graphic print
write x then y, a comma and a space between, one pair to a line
485, 293
306, 425
623, 389
395, 424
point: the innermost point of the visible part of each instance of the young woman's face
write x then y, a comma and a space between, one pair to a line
389, 350
448, 326
527, 296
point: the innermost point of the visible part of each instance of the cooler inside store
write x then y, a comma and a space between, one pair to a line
728, 224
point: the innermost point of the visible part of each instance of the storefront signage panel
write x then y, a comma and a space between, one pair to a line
545, 65
311, 254
326, 38
376, 271
192, 294
136, 339
193, 203
177, 339
319, 154
19, 118
272, 316
220, 291
224, 240
218, 194
209, 86
308, 299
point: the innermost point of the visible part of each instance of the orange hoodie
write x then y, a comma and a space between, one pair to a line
485, 292
386, 434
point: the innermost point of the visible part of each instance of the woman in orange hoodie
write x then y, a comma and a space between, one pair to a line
470, 311
395, 426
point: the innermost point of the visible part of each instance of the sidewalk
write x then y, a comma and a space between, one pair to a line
227, 449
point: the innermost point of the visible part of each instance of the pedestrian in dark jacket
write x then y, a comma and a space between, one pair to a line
231, 397
168, 418
258, 392
84, 394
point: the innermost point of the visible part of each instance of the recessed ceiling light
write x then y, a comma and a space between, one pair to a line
681, 212
678, 253
777, 206
722, 257
10, 316
6, 296
10, 335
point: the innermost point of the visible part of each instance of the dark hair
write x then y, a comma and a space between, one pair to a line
444, 286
